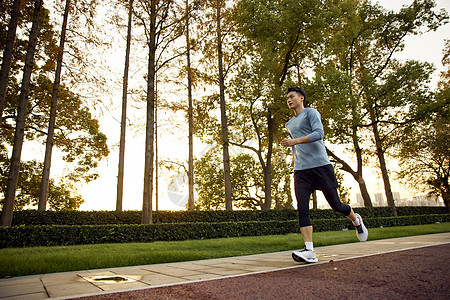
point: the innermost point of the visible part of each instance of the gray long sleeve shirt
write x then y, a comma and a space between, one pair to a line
311, 155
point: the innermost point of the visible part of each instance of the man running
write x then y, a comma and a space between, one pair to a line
312, 171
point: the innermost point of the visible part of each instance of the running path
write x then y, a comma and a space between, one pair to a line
420, 273
69, 285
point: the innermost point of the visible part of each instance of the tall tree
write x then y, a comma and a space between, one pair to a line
332, 93
162, 27
424, 155
77, 133
253, 123
383, 125
190, 113
43, 194
279, 40
221, 50
353, 79
223, 113
147, 212
424, 145
8, 53
123, 122
7, 214
157, 166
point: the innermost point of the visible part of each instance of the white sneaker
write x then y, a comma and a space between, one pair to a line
361, 230
305, 255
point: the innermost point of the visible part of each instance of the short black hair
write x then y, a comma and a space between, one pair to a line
298, 90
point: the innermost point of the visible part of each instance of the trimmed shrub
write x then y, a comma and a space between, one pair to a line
54, 235
34, 217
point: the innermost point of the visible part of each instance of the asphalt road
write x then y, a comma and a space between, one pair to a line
421, 273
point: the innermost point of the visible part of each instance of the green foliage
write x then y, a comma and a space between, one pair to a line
359, 76
281, 182
356, 84
60, 196
77, 133
343, 191
206, 124
365, 96
424, 156
93, 234
52, 235
209, 181
233, 49
283, 33
424, 146
71, 217
246, 181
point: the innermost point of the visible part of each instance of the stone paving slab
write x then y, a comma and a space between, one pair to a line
25, 289
71, 284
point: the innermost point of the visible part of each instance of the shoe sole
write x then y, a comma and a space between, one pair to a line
297, 258
301, 259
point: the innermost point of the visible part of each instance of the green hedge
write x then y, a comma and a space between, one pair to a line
34, 217
53, 235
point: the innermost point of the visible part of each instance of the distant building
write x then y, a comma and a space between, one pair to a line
419, 200
359, 200
402, 202
379, 200
425, 200
396, 196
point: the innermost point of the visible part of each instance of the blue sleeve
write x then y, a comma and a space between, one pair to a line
316, 126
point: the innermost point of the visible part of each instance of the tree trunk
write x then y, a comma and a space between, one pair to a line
314, 199
147, 210
225, 142
446, 197
43, 192
383, 167
190, 116
356, 175
271, 127
8, 53
364, 192
123, 121
156, 147
13, 178
444, 189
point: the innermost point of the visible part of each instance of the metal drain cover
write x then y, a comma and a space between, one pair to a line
108, 279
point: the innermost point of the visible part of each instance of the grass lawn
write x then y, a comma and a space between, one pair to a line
41, 260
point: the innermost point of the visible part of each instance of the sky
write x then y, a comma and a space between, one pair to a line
101, 193
427, 47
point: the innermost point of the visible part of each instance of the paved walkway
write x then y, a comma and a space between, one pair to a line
101, 281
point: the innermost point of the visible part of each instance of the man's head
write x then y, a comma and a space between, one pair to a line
295, 97
298, 90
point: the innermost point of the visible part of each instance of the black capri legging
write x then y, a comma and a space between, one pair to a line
321, 178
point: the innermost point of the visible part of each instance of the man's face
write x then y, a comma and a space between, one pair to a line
293, 99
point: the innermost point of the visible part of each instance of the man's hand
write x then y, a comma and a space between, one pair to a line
293, 142
288, 142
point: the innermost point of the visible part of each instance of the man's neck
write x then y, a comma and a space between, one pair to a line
298, 110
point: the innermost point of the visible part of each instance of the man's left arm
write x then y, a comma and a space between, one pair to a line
316, 126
